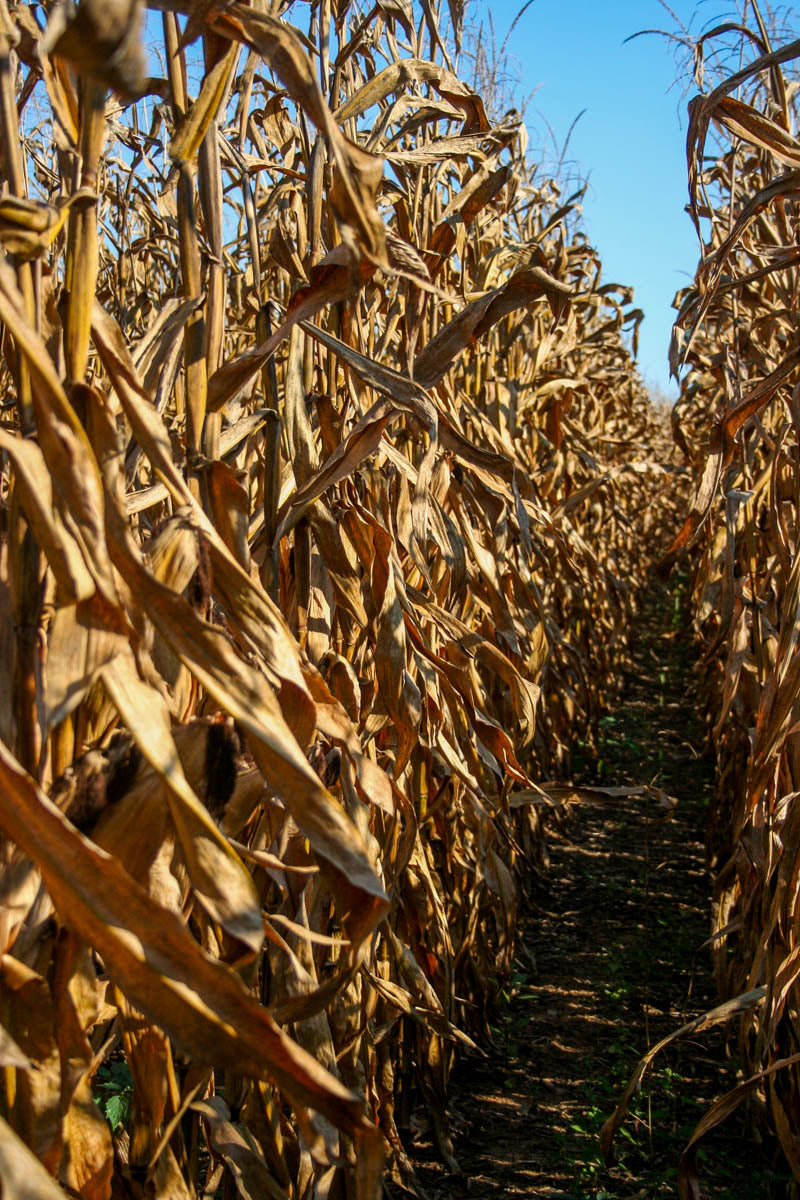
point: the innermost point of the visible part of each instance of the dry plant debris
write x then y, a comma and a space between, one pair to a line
327, 485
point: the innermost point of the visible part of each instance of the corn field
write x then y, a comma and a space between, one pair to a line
328, 485
737, 424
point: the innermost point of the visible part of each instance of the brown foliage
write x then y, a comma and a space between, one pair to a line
326, 479
737, 422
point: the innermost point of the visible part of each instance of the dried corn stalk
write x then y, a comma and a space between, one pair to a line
737, 423
327, 483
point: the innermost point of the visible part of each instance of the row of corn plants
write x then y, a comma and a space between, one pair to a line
737, 424
327, 482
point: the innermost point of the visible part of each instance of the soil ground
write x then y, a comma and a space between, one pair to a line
609, 962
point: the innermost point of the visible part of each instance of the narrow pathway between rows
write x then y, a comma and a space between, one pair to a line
610, 962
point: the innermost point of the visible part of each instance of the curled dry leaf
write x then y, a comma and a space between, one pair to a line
153, 959
102, 38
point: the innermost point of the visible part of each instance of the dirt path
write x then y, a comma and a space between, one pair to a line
606, 967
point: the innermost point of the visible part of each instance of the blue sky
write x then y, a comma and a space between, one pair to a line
630, 141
